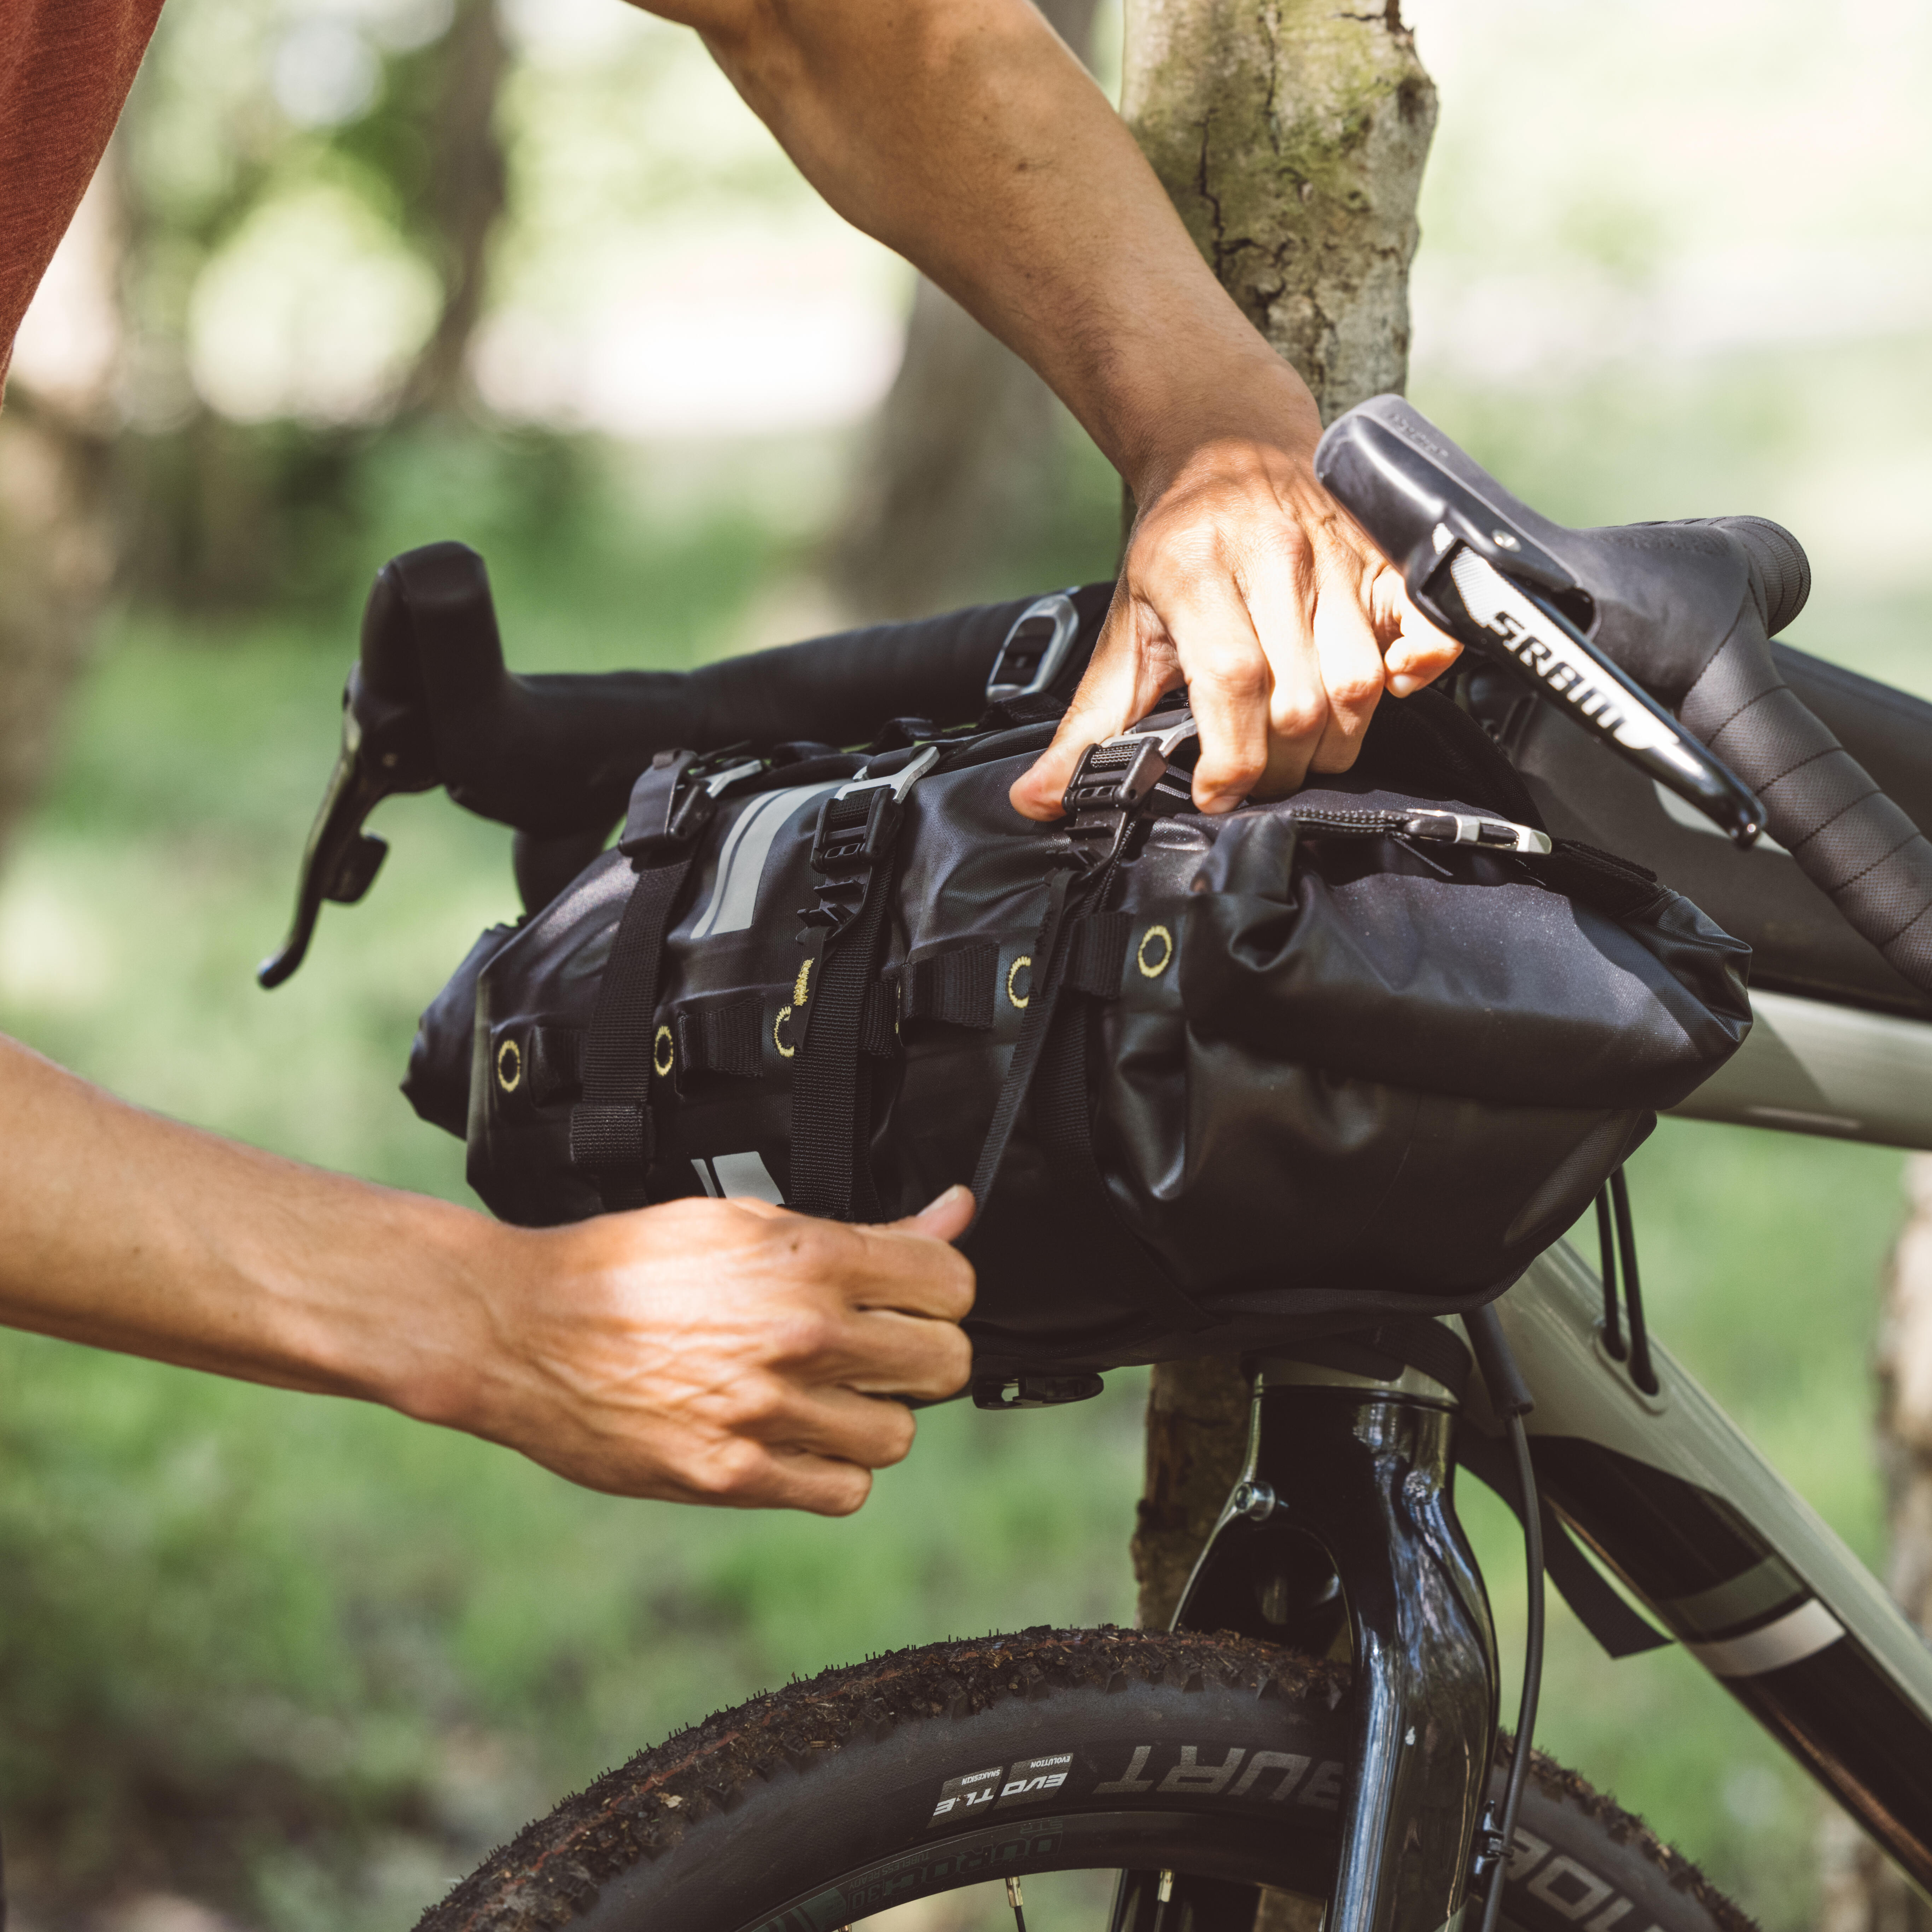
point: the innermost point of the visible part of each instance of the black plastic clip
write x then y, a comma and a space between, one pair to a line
855, 824
1118, 779
672, 802
1461, 828
1028, 1391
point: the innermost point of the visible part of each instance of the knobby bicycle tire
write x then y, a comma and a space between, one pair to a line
1217, 1759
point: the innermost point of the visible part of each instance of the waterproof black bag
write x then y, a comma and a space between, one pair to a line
1221, 1082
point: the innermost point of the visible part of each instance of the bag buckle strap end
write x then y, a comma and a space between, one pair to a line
1462, 828
1118, 778
856, 823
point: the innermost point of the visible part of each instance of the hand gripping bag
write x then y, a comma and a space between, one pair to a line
1223, 1083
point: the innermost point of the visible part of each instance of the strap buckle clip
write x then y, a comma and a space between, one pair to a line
675, 800
1119, 778
1462, 828
856, 823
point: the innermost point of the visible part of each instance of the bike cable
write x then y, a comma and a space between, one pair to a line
1606, 1250
1642, 1372
1510, 1396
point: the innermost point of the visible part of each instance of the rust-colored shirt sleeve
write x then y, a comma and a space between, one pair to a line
65, 69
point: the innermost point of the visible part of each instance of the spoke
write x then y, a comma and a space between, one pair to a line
1014, 1899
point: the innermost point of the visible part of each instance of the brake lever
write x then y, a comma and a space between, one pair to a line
386, 749
1475, 570
1479, 606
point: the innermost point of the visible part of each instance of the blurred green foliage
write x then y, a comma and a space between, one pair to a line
306, 1660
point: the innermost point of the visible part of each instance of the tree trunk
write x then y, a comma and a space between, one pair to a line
1862, 1891
958, 465
468, 190
1291, 137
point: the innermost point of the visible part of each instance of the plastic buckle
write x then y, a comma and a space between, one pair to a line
1460, 828
855, 823
1036, 650
1116, 777
673, 802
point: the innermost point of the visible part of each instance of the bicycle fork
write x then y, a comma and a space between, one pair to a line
1342, 1530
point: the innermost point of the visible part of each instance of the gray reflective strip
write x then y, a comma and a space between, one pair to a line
741, 864
1756, 1592
1797, 1634
745, 1176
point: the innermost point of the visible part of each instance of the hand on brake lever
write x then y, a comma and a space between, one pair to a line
1246, 579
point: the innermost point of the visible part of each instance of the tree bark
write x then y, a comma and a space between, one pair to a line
1862, 1891
958, 465
1291, 137
468, 191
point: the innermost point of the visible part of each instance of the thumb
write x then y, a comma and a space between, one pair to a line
1120, 687
944, 1219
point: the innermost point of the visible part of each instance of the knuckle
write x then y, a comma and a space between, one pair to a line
1241, 676
750, 1402
1355, 692
1299, 716
735, 1471
803, 1331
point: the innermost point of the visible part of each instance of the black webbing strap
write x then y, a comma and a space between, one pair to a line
1042, 1000
612, 1137
612, 1132
721, 1039
957, 987
1062, 1115
832, 1077
1096, 955
1598, 1608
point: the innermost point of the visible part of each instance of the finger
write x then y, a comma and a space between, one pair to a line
944, 1218
887, 1353
844, 1424
745, 1474
1132, 664
1417, 653
1352, 673
1276, 585
1229, 683
916, 1274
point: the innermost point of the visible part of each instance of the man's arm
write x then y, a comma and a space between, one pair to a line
700, 1351
964, 134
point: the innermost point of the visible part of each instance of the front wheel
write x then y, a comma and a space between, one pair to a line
1209, 1769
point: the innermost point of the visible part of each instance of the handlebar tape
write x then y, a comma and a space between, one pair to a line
1851, 841
554, 755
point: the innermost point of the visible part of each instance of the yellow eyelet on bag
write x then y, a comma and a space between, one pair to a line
509, 1066
662, 1039
1152, 970
785, 1051
1019, 999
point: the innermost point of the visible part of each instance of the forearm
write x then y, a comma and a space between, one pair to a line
128, 1232
962, 134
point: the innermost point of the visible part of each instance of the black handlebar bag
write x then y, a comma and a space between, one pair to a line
1221, 1083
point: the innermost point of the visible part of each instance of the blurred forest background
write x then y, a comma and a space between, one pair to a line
360, 274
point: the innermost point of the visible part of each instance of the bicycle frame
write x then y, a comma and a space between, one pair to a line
1349, 1482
